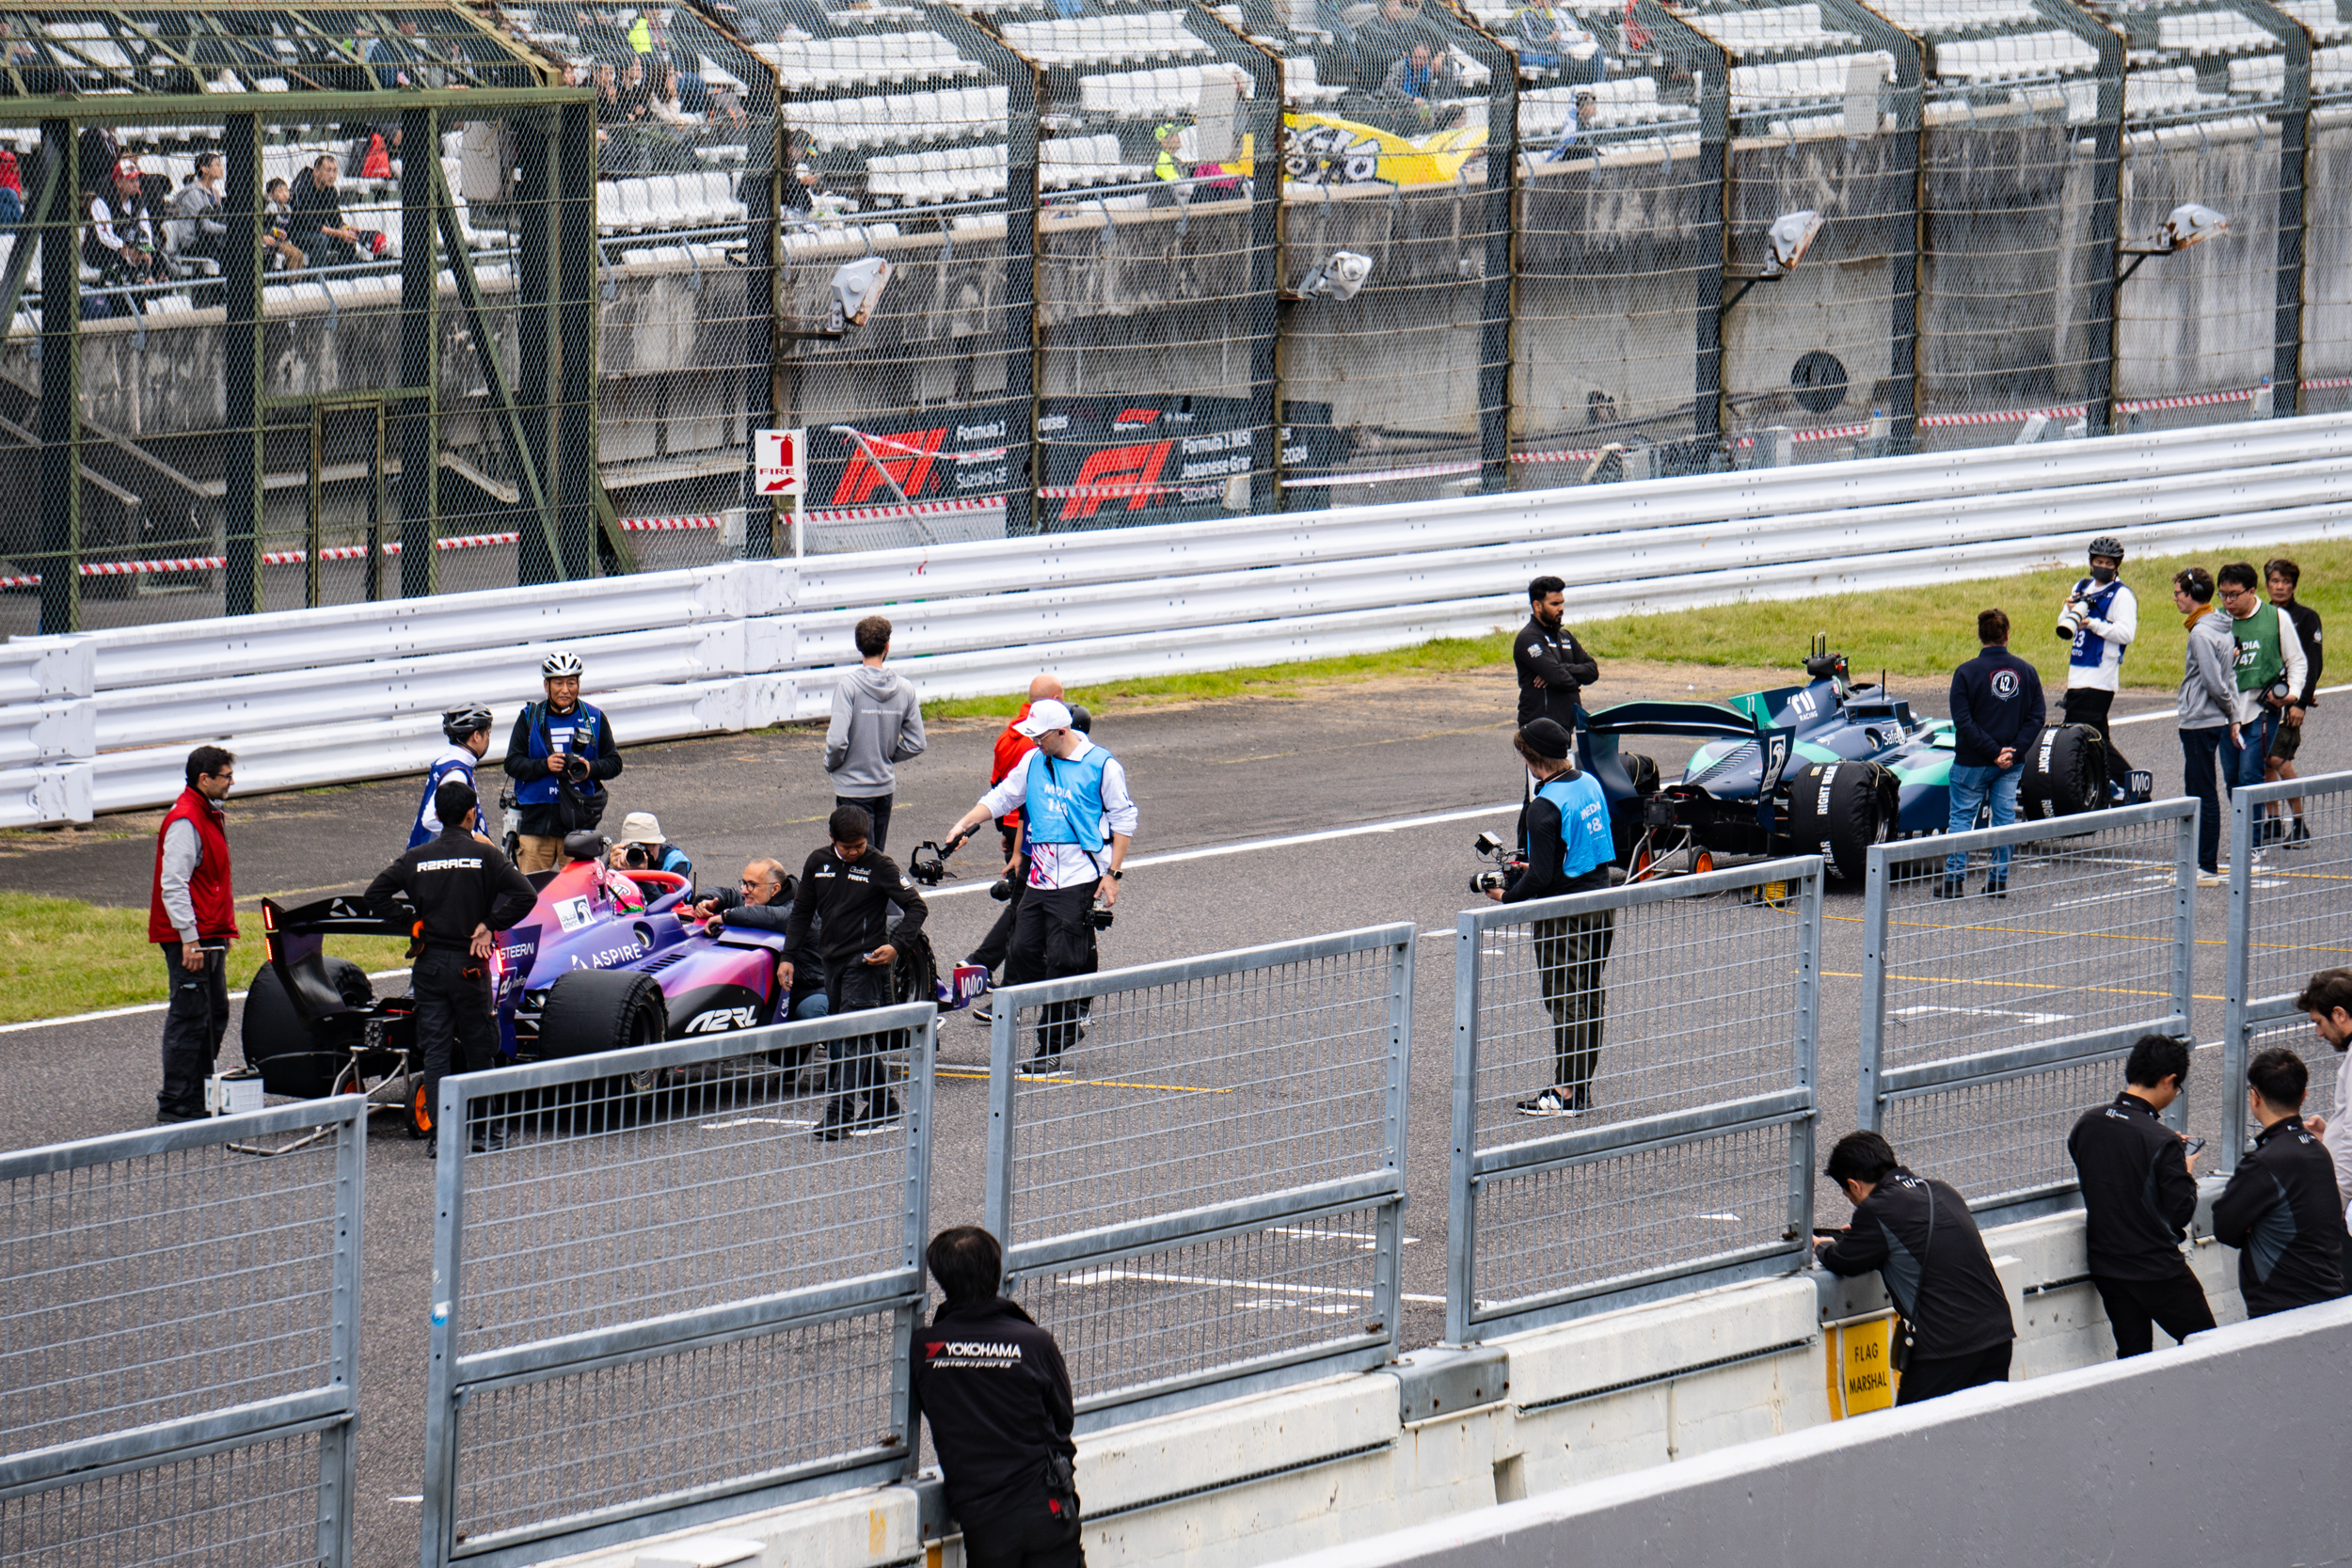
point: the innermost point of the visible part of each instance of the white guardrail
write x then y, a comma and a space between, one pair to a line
102, 721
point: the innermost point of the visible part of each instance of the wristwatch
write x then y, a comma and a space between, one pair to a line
1117, 876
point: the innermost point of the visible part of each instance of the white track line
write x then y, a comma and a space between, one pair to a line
2174, 713
146, 1008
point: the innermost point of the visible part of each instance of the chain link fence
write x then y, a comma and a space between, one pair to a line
1196, 1168
1634, 1100
664, 1289
2005, 972
179, 1322
2290, 861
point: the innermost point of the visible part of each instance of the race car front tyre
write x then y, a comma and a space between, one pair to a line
2066, 774
1837, 810
293, 1057
591, 1010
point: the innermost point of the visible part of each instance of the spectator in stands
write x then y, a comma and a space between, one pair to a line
993, 1386
11, 191
1380, 35
2281, 1208
1550, 41
2281, 576
2270, 669
280, 198
197, 230
1997, 714
314, 220
762, 901
2138, 1195
2205, 708
876, 722
2326, 999
192, 915
1422, 76
1583, 116
1956, 1330
121, 242
669, 131
618, 153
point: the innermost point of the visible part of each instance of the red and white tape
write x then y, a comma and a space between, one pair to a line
1553, 456
2198, 400
2005, 415
912, 509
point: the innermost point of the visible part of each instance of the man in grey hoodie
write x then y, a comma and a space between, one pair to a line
876, 721
2208, 712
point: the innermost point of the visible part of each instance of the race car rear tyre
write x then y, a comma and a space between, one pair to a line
591, 1010
1837, 810
2066, 774
293, 1057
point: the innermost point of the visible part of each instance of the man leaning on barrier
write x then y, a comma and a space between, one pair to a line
2280, 1209
2137, 1196
993, 1386
1565, 846
2326, 999
1917, 1232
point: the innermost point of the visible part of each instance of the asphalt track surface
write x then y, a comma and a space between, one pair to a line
1429, 757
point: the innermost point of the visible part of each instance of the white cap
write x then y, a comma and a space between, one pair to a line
639, 827
1044, 716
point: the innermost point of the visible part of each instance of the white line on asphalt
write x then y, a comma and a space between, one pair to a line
148, 1008
1108, 1277
1248, 845
2170, 713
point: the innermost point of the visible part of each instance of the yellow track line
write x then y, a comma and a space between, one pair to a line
1087, 1082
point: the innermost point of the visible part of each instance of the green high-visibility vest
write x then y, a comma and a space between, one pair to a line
2259, 659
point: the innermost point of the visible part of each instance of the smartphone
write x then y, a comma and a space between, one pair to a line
2192, 1146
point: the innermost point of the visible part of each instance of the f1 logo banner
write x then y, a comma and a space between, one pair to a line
941, 456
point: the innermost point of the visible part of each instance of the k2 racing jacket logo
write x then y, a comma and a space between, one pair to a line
718, 1021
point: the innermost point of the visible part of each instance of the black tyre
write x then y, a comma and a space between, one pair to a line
593, 1010
1837, 810
2066, 774
292, 1056
914, 974
1642, 772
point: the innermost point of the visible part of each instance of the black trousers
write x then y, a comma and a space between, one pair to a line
1031, 1538
1051, 939
2176, 1305
1570, 954
995, 946
195, 1022
877, 807
1949, 1375
2090, 707
456, 1031
853, 1066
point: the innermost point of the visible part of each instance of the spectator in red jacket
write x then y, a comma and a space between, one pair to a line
1011, 746
192, 915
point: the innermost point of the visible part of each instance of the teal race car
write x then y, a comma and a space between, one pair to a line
1827, 767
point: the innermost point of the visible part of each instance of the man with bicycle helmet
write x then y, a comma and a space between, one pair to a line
469, 732
2099, 620
559, 756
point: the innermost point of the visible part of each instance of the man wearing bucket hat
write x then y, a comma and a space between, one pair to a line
642, 847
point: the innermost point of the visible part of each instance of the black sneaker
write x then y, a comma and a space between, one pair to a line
432, 1149
1953, 887
489, 1140
882, 1115
2273, 831
2302, 834
1044, 1065
838, 1119
1551, 1102
1997, 887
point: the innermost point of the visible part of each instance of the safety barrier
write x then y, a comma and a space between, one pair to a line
1986, 1021
2286, 922
1690, 1160
179, 1318
1198, 1171
662, 1300
759, 643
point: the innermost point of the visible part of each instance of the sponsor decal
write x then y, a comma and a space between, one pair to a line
2004, 684
467, 863
572, 913
610, 958
718, 1021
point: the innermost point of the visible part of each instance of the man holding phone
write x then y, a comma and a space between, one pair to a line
2138, 1197
848, 887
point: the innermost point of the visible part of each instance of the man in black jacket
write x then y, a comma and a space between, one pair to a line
1997, 714
462, 890
1553, 668
1918, 1234
2280, 577
2280, 1208
849, 887
762, 901
995, 1390
2137, 1196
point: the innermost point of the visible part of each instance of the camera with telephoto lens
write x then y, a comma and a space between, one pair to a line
1508, 865
2071, 615
637, 857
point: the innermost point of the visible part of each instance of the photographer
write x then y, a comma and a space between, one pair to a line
642, 847
2099, 619
850, 886
559, 756
1956, 1331
1080, 819
1011, 746
763, 901
1564, 847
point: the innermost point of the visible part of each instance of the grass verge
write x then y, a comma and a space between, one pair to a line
60, 956
1917, 632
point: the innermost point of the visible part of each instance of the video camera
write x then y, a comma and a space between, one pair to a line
929, 864
1507, 865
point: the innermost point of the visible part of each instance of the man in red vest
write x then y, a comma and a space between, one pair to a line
191, 913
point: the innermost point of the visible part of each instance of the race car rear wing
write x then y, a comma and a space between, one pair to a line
295, 941
1697, 719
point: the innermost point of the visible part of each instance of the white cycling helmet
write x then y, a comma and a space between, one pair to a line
459, 723
560, 663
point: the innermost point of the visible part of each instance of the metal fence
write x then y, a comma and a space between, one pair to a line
2290, 861
662, 1300
179, 1328
1197, 1168
1987, 1021
1678, 1019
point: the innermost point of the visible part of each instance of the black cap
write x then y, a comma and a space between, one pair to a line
1546, 738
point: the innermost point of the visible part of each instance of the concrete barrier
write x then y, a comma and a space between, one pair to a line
1627, 1399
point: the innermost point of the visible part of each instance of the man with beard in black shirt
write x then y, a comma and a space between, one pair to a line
849, 888
1553, 667
993, 1388
2138, 1195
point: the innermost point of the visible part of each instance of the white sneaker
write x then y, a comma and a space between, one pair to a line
2212, 879
1551, 1102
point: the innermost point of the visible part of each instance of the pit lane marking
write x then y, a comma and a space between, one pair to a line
1088, 1082
1113, 1277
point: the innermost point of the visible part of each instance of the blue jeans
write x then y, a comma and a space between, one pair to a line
1969, 787
2254, 748
811, 1006
2199, 750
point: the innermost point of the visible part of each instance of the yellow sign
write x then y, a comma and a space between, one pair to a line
1324, 149
1861, 1367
